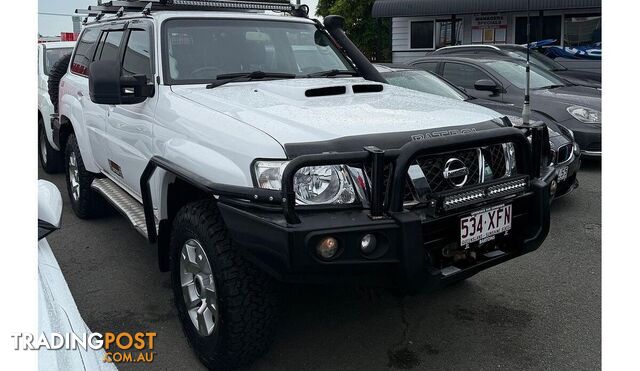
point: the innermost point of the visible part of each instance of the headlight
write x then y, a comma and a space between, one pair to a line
584, 114
313, 185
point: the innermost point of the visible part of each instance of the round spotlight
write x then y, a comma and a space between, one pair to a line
553, 187
327, 248
368, 243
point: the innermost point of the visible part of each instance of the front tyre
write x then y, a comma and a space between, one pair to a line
51, 161
85, 202
226, 305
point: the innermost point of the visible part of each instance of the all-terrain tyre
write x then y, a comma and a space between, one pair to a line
57, 71
85, 202
226, 305
51, 160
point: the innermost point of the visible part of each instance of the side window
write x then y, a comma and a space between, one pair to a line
463, 75
137, 55
428, 66
84, 52
109, 47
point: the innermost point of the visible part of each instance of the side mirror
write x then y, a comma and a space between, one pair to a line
49, 208
486, 85
106, 86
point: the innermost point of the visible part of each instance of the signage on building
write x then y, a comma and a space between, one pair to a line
489, 29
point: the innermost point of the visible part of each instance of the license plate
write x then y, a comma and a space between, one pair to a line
483, 225
562, 173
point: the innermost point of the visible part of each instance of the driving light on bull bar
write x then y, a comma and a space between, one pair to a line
327, 248
313, 185
462, 198
368, 243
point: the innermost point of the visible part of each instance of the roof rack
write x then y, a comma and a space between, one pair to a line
146, 6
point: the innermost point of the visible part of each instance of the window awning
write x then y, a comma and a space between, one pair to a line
413, 8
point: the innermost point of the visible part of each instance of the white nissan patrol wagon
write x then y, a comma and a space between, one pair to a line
252, 146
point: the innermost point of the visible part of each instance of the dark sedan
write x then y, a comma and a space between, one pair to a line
565, 154
519, 52
503, 81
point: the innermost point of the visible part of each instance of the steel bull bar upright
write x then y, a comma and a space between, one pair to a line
278, 234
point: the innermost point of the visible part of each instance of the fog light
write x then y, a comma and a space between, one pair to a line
327, 248
553, 187
368, 243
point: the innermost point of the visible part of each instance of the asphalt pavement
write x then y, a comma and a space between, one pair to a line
539, 311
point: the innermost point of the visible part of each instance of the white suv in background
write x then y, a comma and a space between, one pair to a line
49, 154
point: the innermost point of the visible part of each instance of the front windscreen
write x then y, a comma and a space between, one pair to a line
422, 81
198, 50
51, 56
515, 73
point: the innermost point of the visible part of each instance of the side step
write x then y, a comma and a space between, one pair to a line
121, 200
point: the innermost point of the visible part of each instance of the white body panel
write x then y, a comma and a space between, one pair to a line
58, 313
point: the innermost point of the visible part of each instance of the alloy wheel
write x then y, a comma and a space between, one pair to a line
74, 176
198, 288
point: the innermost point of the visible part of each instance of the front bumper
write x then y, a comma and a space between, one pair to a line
410, 242
588, 137
569, 184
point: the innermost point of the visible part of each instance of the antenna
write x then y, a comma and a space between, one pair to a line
526, 108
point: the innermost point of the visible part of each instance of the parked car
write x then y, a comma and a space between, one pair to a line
57, 310
565, 154
51, 159
570, 76
503, 80
250, 165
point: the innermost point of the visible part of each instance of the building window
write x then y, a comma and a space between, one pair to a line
551, 29
582, 29
489, 29
444, 34
421, 35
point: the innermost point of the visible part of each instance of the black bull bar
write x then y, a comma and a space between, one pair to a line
528, 162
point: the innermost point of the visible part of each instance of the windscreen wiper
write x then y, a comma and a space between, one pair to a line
331, 73
226, 78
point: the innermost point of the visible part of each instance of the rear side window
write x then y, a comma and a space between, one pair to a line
463, 75
109, 47
429, 66
137, 55
84, 52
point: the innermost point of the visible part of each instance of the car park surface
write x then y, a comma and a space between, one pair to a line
541, 311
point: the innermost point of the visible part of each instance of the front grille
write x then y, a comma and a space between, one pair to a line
492, 165
564, 153
434, 166
494, 156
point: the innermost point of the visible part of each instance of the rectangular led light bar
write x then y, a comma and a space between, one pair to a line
282, 5
456, 200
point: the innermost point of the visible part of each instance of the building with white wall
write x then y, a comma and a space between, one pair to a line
421, 26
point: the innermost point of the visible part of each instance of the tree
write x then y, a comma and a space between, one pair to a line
371, 35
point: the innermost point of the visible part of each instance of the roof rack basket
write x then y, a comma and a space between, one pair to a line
146, 6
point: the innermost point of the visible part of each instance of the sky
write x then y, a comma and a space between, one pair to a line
52, 25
